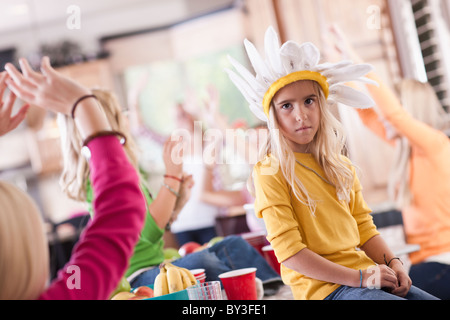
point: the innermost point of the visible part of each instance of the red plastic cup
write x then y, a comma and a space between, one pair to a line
271, 259
199, 274
239, 284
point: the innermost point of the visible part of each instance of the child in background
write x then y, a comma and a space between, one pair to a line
101, 256
306, 191
232, 252
420, 180
196, 220
162, 210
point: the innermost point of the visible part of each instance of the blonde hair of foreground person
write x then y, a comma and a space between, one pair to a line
327, 147
420, 101
24, 254
76, 168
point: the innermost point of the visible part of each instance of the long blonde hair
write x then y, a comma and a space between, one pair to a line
421, 102
327, 149
76, 171
24, 256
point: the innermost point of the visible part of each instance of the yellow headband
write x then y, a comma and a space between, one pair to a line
290, 78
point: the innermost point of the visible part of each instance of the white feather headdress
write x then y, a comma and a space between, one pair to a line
293, 62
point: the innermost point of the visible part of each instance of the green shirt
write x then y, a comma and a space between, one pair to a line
149, 249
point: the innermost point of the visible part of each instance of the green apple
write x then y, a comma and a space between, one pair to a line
123, 286
214, 240
171, 254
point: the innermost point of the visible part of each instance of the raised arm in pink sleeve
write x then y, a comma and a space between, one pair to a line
101, 256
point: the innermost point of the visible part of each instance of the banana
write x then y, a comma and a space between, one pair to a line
185, 277
174, 279
190, 276
161, 284
178, 278
169, 265
185, 271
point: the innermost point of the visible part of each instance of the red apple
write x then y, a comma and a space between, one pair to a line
188, 248
201, 248
144, 291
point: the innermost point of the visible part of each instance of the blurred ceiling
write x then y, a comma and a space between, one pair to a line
20, 15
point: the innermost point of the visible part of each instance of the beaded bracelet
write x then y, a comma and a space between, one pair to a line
78, 101
171, 190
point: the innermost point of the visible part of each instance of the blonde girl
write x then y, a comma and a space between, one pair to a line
414, 96
417, 126
22, 231
108, 241
306, 191
23, 246
171, 197
330, 138
75, 172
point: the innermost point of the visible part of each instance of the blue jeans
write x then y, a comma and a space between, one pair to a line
233, 252
351, 293
433, 277
198, 235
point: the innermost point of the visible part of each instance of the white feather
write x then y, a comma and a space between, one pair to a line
328, 65
272, 48
292, 57
258, 112
255, 103
290, 54
262, 71
350, 97
247, 76
311, 55
368, 81
297, 57
347, 73
243, 86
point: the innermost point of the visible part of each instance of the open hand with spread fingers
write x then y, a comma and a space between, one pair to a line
56, 92
7, 121
49, 90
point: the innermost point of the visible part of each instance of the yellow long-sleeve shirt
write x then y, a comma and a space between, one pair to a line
427, 219
335, 232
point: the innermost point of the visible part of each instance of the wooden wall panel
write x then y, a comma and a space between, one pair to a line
190, 39
139, 49
260, 14
212, 33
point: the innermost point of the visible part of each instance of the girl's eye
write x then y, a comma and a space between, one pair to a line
286, 106
309, 101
